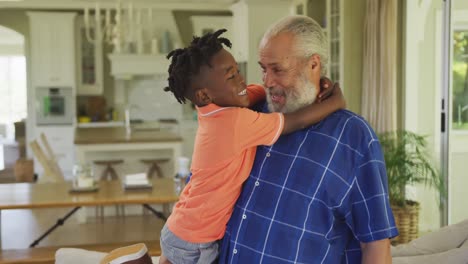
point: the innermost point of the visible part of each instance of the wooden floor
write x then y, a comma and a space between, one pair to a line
22, 227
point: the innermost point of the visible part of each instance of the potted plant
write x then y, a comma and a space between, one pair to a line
408, 162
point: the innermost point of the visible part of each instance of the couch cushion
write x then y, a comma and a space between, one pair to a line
446, 238
76, 255
81, 256
454, 256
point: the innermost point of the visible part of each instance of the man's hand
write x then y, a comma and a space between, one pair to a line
376, 252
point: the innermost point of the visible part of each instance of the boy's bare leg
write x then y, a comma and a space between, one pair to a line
163, 260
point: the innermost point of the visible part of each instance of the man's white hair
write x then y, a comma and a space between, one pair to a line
309, 37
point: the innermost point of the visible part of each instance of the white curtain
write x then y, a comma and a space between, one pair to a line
379, 70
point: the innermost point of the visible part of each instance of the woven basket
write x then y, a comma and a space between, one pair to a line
407, 222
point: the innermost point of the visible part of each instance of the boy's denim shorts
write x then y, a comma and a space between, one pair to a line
178, 251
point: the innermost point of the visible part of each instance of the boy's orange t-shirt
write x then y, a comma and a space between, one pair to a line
223, 156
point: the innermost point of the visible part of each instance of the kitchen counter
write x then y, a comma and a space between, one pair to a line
110, 143
101, 124
117, 135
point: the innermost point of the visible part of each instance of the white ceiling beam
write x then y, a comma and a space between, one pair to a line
80, 4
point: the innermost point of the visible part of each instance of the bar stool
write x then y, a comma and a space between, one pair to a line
154, 166
109, 174
109, 170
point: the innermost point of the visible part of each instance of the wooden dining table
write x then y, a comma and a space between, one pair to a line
59, 195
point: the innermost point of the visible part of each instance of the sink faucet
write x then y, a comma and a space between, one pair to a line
128, 128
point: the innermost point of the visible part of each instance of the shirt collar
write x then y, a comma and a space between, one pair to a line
209, 109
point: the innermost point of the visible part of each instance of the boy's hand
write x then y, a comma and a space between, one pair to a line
326, 89
338, 95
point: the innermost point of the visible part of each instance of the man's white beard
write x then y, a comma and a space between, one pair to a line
303, 94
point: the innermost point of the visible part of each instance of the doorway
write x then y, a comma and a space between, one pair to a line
457, 88
436, 99
13, 100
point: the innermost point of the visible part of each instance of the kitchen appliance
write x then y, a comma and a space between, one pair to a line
54, 106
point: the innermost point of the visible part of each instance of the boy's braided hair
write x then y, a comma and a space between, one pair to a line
187, 62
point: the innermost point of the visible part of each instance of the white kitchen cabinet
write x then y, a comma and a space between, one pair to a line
125, 66
60, 139
89, 62
52, 48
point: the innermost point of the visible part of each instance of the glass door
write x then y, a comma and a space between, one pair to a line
458, 116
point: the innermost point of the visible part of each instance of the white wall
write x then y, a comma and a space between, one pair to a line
459, 4
6, 50
422, 87
11, 42
2, 159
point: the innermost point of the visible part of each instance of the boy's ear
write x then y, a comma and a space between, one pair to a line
202, 97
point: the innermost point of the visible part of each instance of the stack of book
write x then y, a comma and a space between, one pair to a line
136, 181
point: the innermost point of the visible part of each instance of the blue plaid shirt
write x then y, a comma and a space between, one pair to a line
312, 197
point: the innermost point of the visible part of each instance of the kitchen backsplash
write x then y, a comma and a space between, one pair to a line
149, 101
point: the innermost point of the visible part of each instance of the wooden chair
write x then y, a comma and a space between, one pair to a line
52, 171
50, 154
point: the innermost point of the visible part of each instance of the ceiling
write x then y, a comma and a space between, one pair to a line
162, 4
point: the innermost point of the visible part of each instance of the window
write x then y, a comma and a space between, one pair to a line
460, 80
12, 89
334, 42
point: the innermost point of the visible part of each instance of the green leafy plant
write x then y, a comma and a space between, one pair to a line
408, 162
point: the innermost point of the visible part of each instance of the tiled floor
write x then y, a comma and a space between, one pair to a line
22, 227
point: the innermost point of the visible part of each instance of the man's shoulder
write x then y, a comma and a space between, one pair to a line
346, 117
347, 125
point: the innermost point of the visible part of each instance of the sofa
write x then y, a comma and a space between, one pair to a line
447, 245
82, 256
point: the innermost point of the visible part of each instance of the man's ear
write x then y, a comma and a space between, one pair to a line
314, 69
203, 97
315, 64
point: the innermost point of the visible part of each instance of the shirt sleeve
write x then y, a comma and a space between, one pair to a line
370, 216
254, 128
256, 93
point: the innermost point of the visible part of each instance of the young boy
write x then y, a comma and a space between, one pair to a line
225, 144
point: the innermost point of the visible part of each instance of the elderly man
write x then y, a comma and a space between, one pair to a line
318, 195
